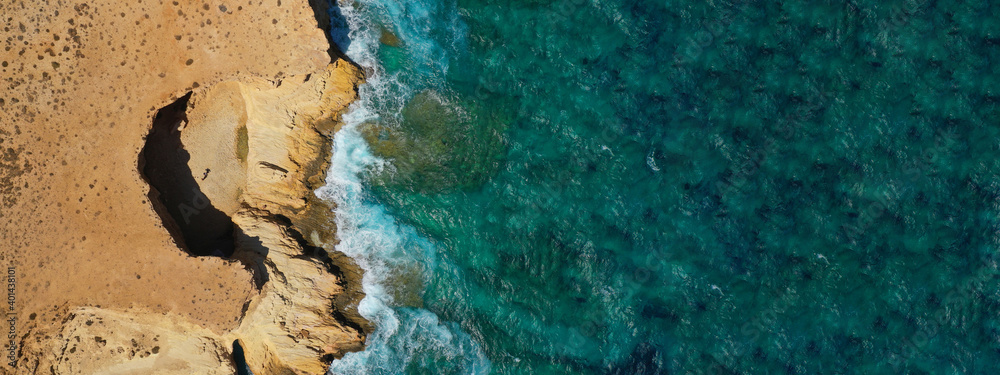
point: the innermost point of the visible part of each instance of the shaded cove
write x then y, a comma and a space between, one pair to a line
196, 225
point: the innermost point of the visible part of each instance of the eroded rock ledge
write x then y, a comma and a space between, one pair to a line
237, 164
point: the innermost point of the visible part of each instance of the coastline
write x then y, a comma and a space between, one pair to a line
102, 283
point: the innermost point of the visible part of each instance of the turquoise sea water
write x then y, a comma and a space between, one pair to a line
651, 187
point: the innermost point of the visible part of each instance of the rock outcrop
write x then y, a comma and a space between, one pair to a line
279, 137
107, 281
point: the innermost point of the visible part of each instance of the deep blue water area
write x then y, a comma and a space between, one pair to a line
652, 187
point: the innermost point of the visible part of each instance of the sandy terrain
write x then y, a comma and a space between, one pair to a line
82, 82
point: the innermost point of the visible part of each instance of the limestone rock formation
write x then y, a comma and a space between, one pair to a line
291, 324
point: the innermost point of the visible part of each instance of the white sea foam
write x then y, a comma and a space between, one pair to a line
404, 337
